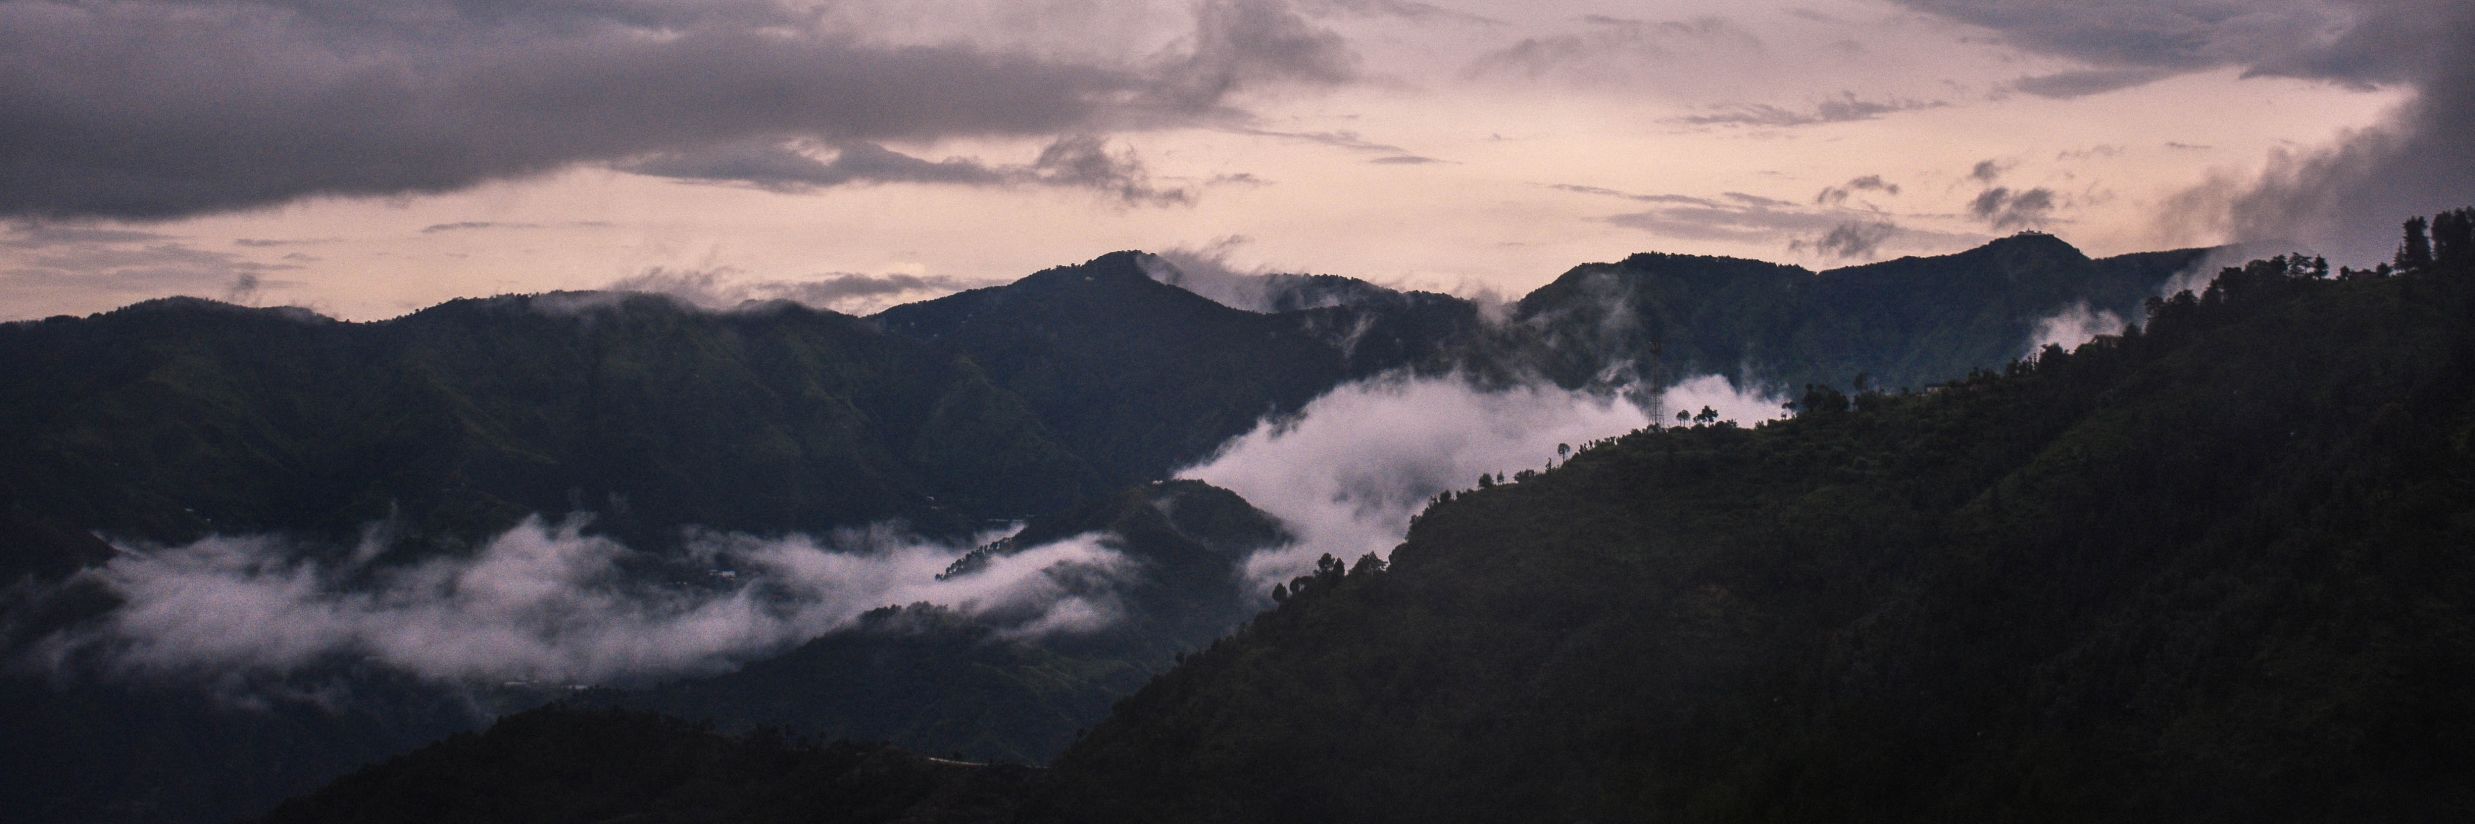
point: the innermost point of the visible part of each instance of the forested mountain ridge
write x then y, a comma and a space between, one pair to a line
169, 420
1142, 376
173, 420
2216, 570
2212, 569
1910, 322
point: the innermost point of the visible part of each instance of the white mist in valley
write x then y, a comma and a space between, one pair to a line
2074, 325
1346, 472
548, 601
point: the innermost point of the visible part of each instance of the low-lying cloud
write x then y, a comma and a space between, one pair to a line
547, 601
2074, 325
1746, 405
1347, 471
725, 289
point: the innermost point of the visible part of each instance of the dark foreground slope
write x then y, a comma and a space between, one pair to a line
2218, 571
652, 770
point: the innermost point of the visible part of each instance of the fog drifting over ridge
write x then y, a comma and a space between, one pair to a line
1346, 472
546, 601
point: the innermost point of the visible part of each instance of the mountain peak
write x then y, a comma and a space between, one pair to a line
2037, 244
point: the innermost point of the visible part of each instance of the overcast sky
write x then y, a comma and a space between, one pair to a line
369, 157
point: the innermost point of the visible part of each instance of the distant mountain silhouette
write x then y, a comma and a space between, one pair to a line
2212, 569
181, 418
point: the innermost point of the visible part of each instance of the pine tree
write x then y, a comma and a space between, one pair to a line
2416, 253
2453, 237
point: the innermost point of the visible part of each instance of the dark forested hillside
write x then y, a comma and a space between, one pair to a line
173, 419
177, 419
1141, 376
2217, 570
655, 770
1909, 322
929, 679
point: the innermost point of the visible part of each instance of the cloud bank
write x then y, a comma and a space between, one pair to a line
724, 289
2341, 198
1075, 162
2074, 325
161, 108
1347, 471
546, 601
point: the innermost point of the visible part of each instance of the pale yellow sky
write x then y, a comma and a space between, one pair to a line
1456, 157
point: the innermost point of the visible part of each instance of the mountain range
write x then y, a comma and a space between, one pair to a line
1061, 401
2212, 568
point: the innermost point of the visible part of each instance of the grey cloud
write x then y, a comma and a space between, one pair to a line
1836, 195
1732, 216
1986, 171
785, 167
547, 601
1343, 140
39, 235
2006, 209
1853, 239
65, 266
1241, 44
2345, 199
474, 225
1208, 270
2085, 82
1826, 228
2348, 199
1075, 162
1085, 162
1614, 49
1756, 200
243, 289
1658, 198
160, 108
1727, 222
2168, 34
1410, 10
1845, 108
1404, 160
